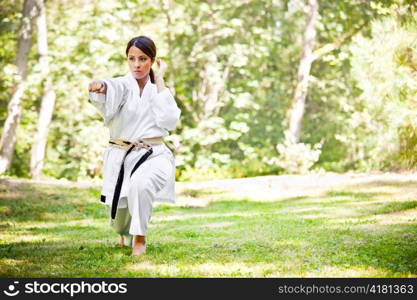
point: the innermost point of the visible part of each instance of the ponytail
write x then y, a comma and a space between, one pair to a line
151, 74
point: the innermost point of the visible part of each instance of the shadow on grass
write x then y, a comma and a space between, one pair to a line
391, 183
29, 202
289, 237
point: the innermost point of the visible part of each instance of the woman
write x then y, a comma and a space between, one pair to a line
138, 167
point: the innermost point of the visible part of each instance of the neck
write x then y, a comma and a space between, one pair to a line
142, 82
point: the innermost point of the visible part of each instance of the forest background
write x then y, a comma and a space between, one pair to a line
265, 87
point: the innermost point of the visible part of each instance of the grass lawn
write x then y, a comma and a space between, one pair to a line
367, 230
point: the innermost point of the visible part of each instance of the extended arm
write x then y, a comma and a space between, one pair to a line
107, 96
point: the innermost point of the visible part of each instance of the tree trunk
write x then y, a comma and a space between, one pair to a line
297, 111
48, 99
8, 138
213, 86
166, 7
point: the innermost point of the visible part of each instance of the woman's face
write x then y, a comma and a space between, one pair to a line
139, 63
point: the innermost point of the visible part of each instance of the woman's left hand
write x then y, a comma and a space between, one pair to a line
162, 67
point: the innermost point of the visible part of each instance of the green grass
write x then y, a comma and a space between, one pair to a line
352, 231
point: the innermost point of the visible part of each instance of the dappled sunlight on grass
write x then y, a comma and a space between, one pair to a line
321, 212
5, 210
346, 272
154, 270
198, 217
341, 232
11, 265
82, 222
219, 224
23, 237
209, 269
398, 217
290, 243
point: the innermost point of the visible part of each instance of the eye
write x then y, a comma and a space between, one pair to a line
143, 58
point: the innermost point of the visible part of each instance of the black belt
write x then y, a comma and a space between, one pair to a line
120, 177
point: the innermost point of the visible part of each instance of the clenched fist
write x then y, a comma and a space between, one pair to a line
97, 86
162, 67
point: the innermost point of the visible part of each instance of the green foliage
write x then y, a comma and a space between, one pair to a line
232, 67
385, 67
407, 155
9, 24
296, 157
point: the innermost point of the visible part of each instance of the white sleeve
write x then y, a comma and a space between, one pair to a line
109, 104
165, 109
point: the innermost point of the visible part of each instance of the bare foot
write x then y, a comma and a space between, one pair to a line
139, 245
122, 241
139, 249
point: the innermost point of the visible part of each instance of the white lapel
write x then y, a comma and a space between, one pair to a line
133, 84
146, 89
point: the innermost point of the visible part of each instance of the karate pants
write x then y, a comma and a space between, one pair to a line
147, 180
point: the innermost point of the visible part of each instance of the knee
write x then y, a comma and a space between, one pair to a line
118, 229
121, 221
144, 187
121, 226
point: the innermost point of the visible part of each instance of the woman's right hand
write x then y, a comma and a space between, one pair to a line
97, 86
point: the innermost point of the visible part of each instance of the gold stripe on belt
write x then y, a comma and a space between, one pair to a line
141, 143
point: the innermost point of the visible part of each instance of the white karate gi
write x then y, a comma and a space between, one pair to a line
131, 117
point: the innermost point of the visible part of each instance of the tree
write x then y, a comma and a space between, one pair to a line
29, 13
48, 98
308, 56
304, 68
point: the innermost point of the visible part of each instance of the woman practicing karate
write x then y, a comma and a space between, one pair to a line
138, 167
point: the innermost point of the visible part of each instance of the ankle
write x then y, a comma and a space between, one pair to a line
121, 240
139, 239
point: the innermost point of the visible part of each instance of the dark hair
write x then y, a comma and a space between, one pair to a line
147, 46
